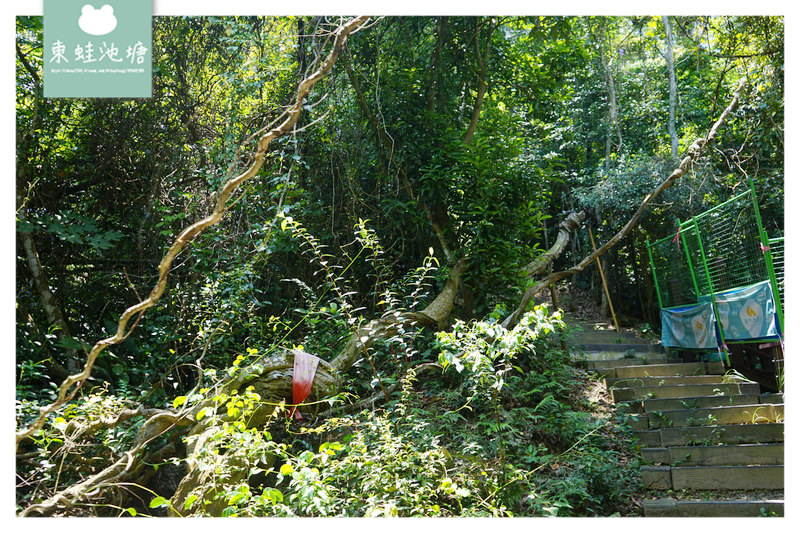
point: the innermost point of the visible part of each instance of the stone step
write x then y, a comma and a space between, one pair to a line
725, 455
579, 327
603, 338
698, 402
631, 348
712, 477
638, 422
734, 414
771, 398
670, 507
710, 435
614, 360
621, 383
683, 391
668, 369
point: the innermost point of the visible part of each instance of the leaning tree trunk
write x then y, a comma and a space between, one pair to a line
542, 263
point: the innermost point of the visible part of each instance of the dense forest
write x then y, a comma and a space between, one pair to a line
381, 199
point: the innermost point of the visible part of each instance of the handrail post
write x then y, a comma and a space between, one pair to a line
603, 279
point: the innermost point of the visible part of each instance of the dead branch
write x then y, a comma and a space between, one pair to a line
692, 154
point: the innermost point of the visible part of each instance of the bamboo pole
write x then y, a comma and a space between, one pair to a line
603, 279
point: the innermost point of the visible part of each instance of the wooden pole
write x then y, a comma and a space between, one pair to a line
603, 279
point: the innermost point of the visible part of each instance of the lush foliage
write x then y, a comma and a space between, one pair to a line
436, 143
440, 451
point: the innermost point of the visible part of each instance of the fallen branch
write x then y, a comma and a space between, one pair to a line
693, 153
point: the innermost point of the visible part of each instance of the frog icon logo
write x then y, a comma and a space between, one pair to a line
97, 21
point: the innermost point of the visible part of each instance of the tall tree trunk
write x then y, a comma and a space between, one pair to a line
433, 83
55, 317
27, 154
673, 136
613, 110
46, 297
482, 61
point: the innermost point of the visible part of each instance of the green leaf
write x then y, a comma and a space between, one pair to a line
131, 511
70, 343
236, 498
189, 501
286, 469
273, 494
180, 400
158, 501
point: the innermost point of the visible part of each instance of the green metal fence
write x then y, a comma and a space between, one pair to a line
673, 278
776, 249
722, 249
726, 244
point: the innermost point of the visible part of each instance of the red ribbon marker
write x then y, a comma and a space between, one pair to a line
677, 236
305, 368
763, 248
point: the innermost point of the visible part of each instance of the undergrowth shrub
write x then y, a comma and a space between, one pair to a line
508, 435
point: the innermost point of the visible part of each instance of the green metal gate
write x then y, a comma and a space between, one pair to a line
722, 250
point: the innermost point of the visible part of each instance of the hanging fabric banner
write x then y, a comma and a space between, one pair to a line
305, 368
747, 313
689, 327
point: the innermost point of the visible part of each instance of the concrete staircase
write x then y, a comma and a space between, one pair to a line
709, 447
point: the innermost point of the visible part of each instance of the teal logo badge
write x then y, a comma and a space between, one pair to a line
98, 48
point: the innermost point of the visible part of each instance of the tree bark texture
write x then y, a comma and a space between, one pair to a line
673, 93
